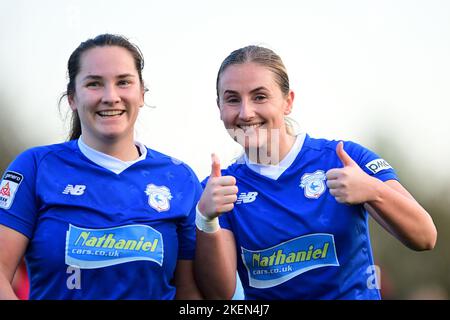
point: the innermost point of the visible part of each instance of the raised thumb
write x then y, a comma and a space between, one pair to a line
215, 166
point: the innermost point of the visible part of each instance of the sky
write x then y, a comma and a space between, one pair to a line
359, 69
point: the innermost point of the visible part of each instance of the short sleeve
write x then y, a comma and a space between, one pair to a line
370, 162
18, 203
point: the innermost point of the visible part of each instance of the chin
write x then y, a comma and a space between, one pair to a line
111, 135
253, 148
112, 131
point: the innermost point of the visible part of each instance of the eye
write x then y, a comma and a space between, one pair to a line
93, 84
232, 100
260, 98
124, 83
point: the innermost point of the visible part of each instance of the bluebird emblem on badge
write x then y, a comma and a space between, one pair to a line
158, 197
313, 184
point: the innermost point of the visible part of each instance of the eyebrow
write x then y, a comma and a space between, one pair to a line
96, 77
252, 91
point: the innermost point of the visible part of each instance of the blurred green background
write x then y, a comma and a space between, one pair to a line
407, 274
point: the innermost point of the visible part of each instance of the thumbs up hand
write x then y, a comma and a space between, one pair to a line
349, 184
220, 192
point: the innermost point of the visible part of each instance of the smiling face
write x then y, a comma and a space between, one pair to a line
108, 95
252, 103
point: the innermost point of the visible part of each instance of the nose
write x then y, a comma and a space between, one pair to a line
246, 111
110, 95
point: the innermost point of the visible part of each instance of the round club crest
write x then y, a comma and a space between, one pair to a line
313, 184
158, 197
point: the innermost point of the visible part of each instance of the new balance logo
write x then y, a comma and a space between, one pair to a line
76, 190
246, 197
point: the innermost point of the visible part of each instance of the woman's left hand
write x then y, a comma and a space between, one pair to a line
350, 184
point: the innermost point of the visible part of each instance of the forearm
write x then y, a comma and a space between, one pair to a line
10, 259
185, 283
396, 210
215, 265
188, 293
6, 290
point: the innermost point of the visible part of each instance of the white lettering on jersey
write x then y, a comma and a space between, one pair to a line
246, 197
377, 165
76, 190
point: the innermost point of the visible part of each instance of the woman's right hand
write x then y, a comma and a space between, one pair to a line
220, 192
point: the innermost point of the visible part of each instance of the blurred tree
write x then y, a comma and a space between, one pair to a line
409, 274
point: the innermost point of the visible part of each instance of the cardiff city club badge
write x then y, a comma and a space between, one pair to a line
313, 184
158, 197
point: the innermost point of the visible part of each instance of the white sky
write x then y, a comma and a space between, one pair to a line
359, 69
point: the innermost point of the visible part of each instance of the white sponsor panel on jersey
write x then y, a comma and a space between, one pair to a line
98, 248
275, 265
8, 188
377, 165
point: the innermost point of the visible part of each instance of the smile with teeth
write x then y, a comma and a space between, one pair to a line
110, 113
253, 126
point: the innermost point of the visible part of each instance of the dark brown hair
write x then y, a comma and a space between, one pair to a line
73, 68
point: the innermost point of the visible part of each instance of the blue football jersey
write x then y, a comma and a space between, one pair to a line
293, 239
96, 234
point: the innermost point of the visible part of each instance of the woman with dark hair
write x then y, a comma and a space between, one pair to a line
100, 216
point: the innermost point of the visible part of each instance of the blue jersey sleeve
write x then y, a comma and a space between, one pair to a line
186, 227
18, 203
370, 162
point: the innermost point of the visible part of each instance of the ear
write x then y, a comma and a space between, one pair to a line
71, 100
289, 103
143, 91
220, 109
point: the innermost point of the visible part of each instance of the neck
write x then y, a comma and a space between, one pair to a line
272, 152
124, 150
